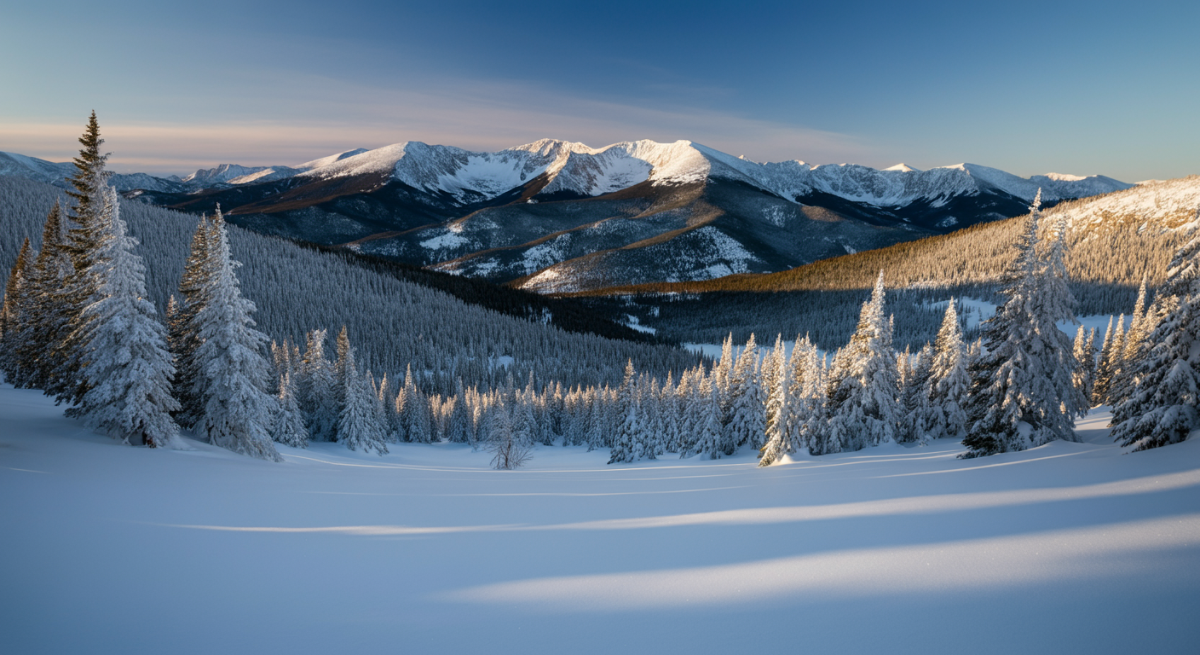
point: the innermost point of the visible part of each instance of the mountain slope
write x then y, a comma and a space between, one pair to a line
1114, 239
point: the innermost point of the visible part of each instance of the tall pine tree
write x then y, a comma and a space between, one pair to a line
237, 410
1022, 390
862, 387
84, 245
126, 367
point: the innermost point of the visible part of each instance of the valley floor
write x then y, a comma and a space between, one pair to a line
1071, 547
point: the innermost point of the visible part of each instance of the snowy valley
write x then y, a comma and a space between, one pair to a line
889, 550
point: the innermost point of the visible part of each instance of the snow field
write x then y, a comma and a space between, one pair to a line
1070, 547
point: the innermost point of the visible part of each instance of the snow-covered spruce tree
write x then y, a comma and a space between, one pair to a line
1022, 390
597, 425
47, 310
358, 426
722, 382
316, 392
672, 414
1141, 323
1056, 304
288, 428
1162, 407
237, 410
806, 396
183, 332
126, 368
415, 416
524, 423
342, 346
747, 407
460, 418
1085, 362
862, 389
708, 422
920, 416
778, 381
1104, 367
628, 428
84, 243
690, 406
17, 318
652, 420
949, 381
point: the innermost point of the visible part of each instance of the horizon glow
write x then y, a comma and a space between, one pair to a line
1077, 88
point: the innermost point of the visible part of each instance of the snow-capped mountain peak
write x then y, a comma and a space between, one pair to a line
465, 177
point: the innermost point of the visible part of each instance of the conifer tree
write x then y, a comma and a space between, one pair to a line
84, 241
949, 381
1104, 368
1141, 323
358, 426
17, 318
126, 368
778, 438
806, 397
415, 416
921, 416
460, 420
1085, 360
288, 428
316, 393
237, 410
862, 389
708, 422
183, 332
47, 313
628, 429
339, 372
1162, 407
672, 414
1022, 390
747, 419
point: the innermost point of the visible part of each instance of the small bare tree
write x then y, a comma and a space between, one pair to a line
509, 449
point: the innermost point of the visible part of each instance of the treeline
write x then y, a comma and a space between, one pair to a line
570, 316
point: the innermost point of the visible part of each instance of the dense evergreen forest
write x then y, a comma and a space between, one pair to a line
446, 328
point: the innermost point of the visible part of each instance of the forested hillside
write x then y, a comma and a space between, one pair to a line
1114, 240
392, 321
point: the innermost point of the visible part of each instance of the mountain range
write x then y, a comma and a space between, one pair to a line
555, 216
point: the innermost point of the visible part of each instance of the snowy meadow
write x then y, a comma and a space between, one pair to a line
1067, 547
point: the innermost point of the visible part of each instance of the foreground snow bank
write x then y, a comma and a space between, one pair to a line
1071, 547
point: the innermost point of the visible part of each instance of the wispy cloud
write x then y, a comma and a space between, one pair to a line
311, 117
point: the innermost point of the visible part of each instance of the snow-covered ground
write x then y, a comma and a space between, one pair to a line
1071, 547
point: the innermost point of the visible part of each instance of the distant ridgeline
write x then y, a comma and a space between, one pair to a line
448, 327
1114, 240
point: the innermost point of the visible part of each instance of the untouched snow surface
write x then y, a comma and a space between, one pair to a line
1071, 547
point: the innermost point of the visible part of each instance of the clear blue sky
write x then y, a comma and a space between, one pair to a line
1030, 87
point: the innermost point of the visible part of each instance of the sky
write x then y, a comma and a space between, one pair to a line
1029, 87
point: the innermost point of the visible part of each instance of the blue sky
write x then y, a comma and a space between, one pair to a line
1030, 87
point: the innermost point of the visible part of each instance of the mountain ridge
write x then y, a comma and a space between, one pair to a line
557, 216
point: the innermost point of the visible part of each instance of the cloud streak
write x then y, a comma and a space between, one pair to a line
310, 117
